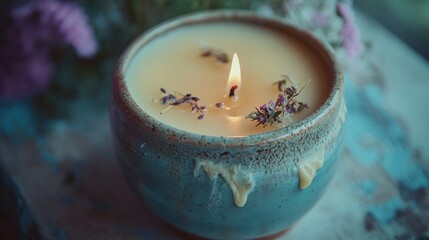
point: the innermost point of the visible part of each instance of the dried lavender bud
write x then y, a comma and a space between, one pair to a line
168, 99
302, 106
219, 105
285, 105
206, 52
222, 57
172, 100
290, 91
218, 54
280, 84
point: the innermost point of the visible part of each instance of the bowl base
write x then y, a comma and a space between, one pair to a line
189, 236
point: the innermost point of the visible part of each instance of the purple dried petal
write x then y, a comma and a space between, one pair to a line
181, 100
206, 52
289, 109
263, 108
280, 84
222, 57
290, 92
302, 106
219, 105
281, 100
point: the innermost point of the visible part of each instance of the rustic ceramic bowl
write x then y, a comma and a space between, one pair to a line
221, 187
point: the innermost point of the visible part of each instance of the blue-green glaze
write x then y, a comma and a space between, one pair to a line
160, 160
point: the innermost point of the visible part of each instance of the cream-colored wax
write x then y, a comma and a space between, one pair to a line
240, 181
172, 61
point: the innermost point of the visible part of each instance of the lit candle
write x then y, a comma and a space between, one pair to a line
188, 176
234, 80
173, 61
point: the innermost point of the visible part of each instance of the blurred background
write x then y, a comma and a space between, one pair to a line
409, 20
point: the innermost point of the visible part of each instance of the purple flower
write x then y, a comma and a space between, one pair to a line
261, 119
351, 40
345, 11
25, 62
53, 21
263, 108
281, 100
349, 33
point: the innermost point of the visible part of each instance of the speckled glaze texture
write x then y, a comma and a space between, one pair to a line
168, 166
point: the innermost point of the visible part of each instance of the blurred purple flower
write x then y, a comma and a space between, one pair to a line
25, 63
345, 11
349, 33
52, 21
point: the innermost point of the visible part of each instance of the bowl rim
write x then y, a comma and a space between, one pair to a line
141, 118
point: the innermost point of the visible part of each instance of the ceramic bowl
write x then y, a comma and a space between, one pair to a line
222, 187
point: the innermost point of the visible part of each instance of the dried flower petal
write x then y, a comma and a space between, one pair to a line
280, 84
220, 105
206, 52
222, 57
285, 105
218, 54
172, 100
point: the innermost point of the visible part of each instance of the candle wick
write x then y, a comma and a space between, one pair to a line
232, 91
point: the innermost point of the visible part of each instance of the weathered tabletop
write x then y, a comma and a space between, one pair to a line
73, 187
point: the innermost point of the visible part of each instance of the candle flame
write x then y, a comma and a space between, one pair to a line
234, 81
